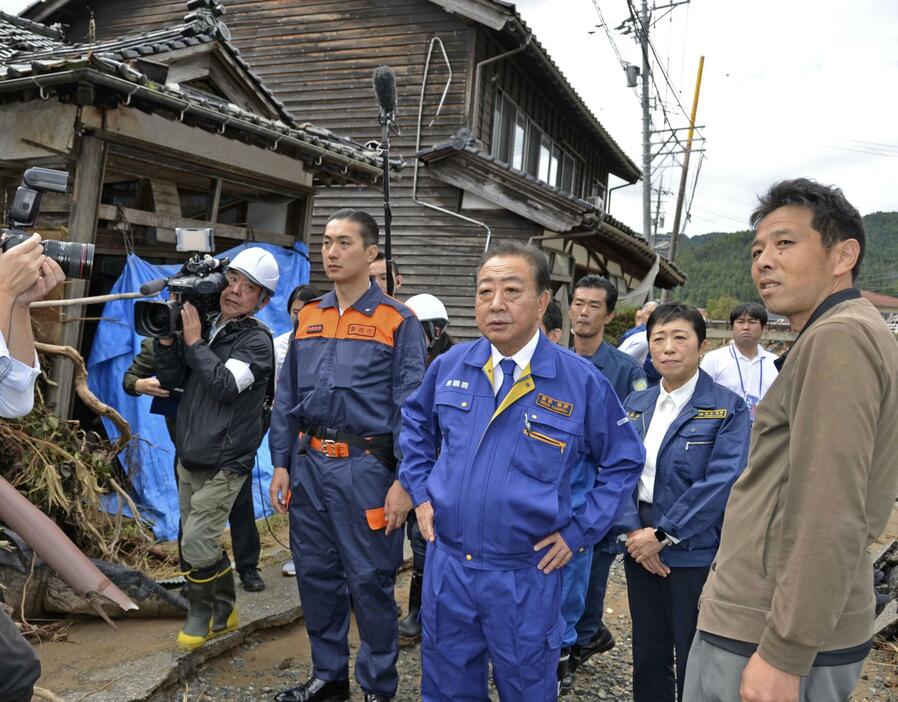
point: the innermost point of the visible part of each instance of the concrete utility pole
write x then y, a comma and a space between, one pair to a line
647, 229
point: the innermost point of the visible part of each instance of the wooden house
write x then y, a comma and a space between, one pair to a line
498, 142
162, 129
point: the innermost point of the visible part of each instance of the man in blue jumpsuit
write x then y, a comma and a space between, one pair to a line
489, 443
585, 578
356, 356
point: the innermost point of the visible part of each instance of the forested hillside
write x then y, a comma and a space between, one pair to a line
718, 264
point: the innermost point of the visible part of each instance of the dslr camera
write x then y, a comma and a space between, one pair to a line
199, 282
75, 259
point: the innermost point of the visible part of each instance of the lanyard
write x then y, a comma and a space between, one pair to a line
739, 369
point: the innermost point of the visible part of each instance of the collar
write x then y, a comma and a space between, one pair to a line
836, 298
681, 395
601, 356
542, 361
762, 352
522, 358
366, 304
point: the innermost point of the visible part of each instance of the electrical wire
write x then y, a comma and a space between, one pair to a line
608, 34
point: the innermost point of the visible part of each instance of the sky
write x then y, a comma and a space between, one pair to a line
790, 88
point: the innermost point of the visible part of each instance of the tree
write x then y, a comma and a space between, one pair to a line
720, 307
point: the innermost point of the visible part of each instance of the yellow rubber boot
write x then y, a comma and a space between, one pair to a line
200, 600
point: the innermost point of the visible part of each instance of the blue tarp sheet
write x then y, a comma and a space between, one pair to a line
151, 457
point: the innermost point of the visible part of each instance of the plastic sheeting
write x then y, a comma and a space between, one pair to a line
150, 458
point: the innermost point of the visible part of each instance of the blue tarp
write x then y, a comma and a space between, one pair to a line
151, 457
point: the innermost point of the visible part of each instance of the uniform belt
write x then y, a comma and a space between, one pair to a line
335, 443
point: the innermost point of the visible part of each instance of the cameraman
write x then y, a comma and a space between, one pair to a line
26, 275
219, 427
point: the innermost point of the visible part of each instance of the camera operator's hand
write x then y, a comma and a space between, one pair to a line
193, 327
150, 386
20, 267
51, 276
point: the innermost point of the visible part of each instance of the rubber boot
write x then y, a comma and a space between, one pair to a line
224, 610
410, 627
200, 599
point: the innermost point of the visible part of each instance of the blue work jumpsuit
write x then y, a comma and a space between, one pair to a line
349, 372
499, 481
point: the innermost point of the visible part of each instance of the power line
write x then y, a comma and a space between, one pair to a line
604, 25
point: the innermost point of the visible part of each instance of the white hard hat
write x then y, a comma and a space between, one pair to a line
427, 307
259, 266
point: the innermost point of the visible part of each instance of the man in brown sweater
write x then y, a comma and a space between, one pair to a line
787, 611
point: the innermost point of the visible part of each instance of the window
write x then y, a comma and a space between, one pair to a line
519, 142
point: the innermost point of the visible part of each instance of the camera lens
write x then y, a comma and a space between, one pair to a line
157, 319
75, 259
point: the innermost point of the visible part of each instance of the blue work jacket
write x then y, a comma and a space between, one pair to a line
621, 369
499, 478
703, 452
350, 372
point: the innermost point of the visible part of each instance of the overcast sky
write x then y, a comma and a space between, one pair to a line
790, 88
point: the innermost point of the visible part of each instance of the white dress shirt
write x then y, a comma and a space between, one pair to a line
16, 383
281, 344
744, 376
521, 360
667, 408
637, 345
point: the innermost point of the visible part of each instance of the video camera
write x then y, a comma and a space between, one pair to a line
75, 259
199, 282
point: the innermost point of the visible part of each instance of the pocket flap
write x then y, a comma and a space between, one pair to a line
453, 398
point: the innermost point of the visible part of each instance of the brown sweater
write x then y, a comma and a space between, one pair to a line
793, 573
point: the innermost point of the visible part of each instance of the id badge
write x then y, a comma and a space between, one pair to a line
751, 401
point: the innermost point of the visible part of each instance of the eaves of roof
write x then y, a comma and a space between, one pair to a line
341, 158
604, 225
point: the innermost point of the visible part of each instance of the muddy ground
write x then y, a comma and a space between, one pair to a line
271, 660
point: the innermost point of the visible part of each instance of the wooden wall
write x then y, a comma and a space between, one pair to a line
318, 57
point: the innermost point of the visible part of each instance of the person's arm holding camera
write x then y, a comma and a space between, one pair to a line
26, 275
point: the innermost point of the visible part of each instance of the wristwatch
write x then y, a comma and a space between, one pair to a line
662, 536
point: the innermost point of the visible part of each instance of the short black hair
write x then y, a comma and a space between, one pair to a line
834, 217
553, 319
538, 261
594, 280
381, 256
754, 310
367, 224
670, 311
304, 293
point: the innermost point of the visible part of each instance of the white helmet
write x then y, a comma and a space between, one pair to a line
259, 266
427, 307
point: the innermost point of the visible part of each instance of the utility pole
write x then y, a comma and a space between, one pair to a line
681, 194
646, 127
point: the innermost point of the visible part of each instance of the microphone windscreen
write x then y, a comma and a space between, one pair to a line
385, 88
154, 286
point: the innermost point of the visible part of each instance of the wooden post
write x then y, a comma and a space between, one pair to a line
89, 167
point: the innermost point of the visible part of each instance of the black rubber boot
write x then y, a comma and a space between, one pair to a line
410, 627
315, 690
200, 598
224, 610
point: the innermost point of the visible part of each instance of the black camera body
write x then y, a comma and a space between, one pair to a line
75, 259
199, 282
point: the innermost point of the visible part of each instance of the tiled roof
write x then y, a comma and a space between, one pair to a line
52, 63
202, 26
880, 299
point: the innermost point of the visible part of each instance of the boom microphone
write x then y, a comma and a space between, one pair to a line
385, 89
153, 287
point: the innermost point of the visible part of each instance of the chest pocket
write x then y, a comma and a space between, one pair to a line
694, 444
453, 410
545, 443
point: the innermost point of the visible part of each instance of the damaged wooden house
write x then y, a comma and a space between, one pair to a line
502, 144
159, 129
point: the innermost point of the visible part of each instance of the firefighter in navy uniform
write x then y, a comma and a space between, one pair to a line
356, 356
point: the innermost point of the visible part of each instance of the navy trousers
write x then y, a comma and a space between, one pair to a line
594, 607
341, 562
664, 612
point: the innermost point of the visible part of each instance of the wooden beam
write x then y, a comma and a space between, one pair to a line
89, 167
167, 221
216, 201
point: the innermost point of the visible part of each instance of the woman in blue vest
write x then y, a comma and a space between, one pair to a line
696, 436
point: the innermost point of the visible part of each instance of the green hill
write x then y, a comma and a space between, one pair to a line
718, 264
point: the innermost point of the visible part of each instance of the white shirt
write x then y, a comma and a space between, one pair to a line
281, 344
744, 376
667, 408
521, 360
16, 383
637, 345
